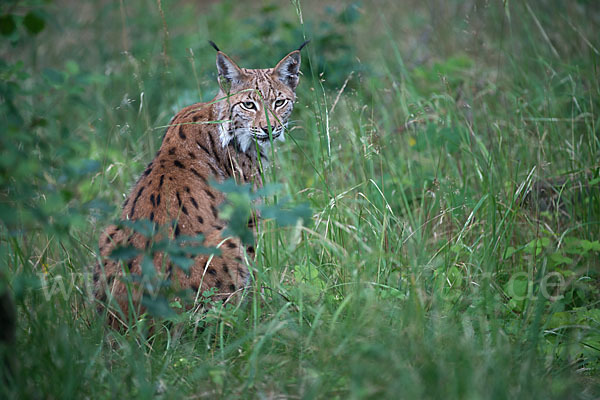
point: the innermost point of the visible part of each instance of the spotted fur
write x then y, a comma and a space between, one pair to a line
228, 137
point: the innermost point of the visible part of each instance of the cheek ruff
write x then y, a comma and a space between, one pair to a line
248, 137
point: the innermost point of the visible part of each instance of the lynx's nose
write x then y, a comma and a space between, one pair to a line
266, 131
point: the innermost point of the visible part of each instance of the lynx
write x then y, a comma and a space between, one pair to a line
228, 137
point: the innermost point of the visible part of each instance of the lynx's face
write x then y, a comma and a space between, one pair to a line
258, 101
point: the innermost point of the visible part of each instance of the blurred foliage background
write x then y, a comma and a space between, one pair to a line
449, 151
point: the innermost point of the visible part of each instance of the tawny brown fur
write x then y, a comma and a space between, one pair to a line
221, 139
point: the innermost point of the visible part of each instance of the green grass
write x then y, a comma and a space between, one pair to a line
449, 152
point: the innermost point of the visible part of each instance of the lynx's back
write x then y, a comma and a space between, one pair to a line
228, 137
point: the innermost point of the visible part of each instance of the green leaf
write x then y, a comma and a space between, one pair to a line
217, 376
590, 246
183, 262
175, 304
148, 268
141, 226
558, 259
53, 76
559, 319
517, 287
238, 226
455, 276
307, 276
536, 245
592, 316
287, 217
34, 23
157, 307
72, 67
509, 252
350, 14
197, 249
515, 305
269, 189
456, 248
7, 25
426, 138
188, 246
594, 182
231, 186
450, 137
124, 253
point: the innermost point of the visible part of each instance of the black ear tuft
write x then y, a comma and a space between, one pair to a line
215, 46
302, 45
288, 68
229, 72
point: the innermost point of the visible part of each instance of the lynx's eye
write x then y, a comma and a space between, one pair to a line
249, 105
279, 103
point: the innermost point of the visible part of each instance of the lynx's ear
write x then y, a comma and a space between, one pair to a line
288, 68
228, 70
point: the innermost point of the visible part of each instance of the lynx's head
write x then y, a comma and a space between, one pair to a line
256, 103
